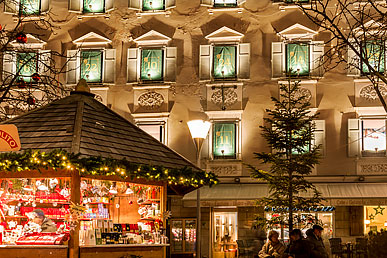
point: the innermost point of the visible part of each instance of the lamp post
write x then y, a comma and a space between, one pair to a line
199, 130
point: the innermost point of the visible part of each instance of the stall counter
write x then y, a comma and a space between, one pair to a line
34, 251
126, 250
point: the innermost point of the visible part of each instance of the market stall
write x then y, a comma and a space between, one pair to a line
102, 181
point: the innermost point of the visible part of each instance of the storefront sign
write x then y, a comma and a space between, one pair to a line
91, 66
298, 59
9, 138
26, 65
224, 61
93, 6
152, 64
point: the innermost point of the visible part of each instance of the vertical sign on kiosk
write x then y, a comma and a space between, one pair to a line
9, 138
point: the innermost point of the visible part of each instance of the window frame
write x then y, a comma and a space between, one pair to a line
309, 58
153, 10
162, 125
163, 56
218, 6
213, 63
372, 153
21, 13
17, 53
101, 51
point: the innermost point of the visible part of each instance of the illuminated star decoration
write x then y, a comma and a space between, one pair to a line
371, 216
379, 210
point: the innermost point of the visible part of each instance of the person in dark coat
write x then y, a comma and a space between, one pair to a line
46, 224
317, 247
298, 246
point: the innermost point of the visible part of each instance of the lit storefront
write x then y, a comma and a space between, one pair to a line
375, 218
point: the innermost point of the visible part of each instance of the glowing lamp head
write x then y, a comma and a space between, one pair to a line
199, 128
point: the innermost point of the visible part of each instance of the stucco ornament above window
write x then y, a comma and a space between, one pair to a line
151, 100
297, 32
228, 98
303, 92
369, 93
225, 34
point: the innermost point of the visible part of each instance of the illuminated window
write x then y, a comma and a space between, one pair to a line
150, 5
29, 7
225, 3
154, 129
303, 149
91, 65
224, 62
291, 1
225, 232
152, 64
26, 65
374, 135
93, 6
374, 53
297, 59
224, 140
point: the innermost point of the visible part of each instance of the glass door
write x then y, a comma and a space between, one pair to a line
225, 233
190, 236
177, 236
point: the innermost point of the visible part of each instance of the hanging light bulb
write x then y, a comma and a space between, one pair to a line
113, 188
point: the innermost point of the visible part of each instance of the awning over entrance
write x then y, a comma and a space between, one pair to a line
335, 193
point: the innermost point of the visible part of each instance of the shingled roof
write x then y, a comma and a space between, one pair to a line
81, 124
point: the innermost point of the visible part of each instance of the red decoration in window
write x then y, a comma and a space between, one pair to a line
30, 101
21, 37
36, 77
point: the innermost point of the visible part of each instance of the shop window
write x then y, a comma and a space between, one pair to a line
91, 6
91, 66
152, 64
94, 65
224, 140
224, 62
225, 232
374, 53
26, 7
26, 65
297, 59
157, 130
375, 219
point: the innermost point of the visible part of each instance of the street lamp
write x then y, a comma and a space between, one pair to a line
199, 130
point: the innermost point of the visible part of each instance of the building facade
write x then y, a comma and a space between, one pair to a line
161, 63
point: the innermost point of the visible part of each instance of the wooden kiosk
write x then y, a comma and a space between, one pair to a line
77, 151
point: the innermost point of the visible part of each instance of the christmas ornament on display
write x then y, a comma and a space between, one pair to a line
21, 38
31, 101
53, 182
379, 210
36, 77
371, 216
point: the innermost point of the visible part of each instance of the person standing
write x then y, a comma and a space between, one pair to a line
316, 243
273, 248
298, 246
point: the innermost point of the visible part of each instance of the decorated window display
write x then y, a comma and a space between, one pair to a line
225, 3
374, 54
152, 64
91, 65
26, 66
224, 62
224, 140
29, 7
150, 5
93, 6
297, 59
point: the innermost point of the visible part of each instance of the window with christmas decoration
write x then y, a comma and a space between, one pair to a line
374, 53
91, 65
224, 62
225, 137
222, 3
26, 7
89, 7
152, 64
149, 7
225, 3
27, 66
375, 218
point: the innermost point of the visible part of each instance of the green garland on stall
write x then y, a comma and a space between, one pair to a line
61, 159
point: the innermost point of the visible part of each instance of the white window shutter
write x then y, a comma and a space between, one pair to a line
109, 5
170, 64
109, 65
75, 6
316, 60
353, 60
205, 62
354, 137
72, 67
169, 4
241, 2
209, 3
44, 62
133, 64
135, 4
319, 135
9, 65
244, 61
44, 6
277, 59
11, 6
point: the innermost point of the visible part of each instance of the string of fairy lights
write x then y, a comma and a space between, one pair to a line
61, 159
